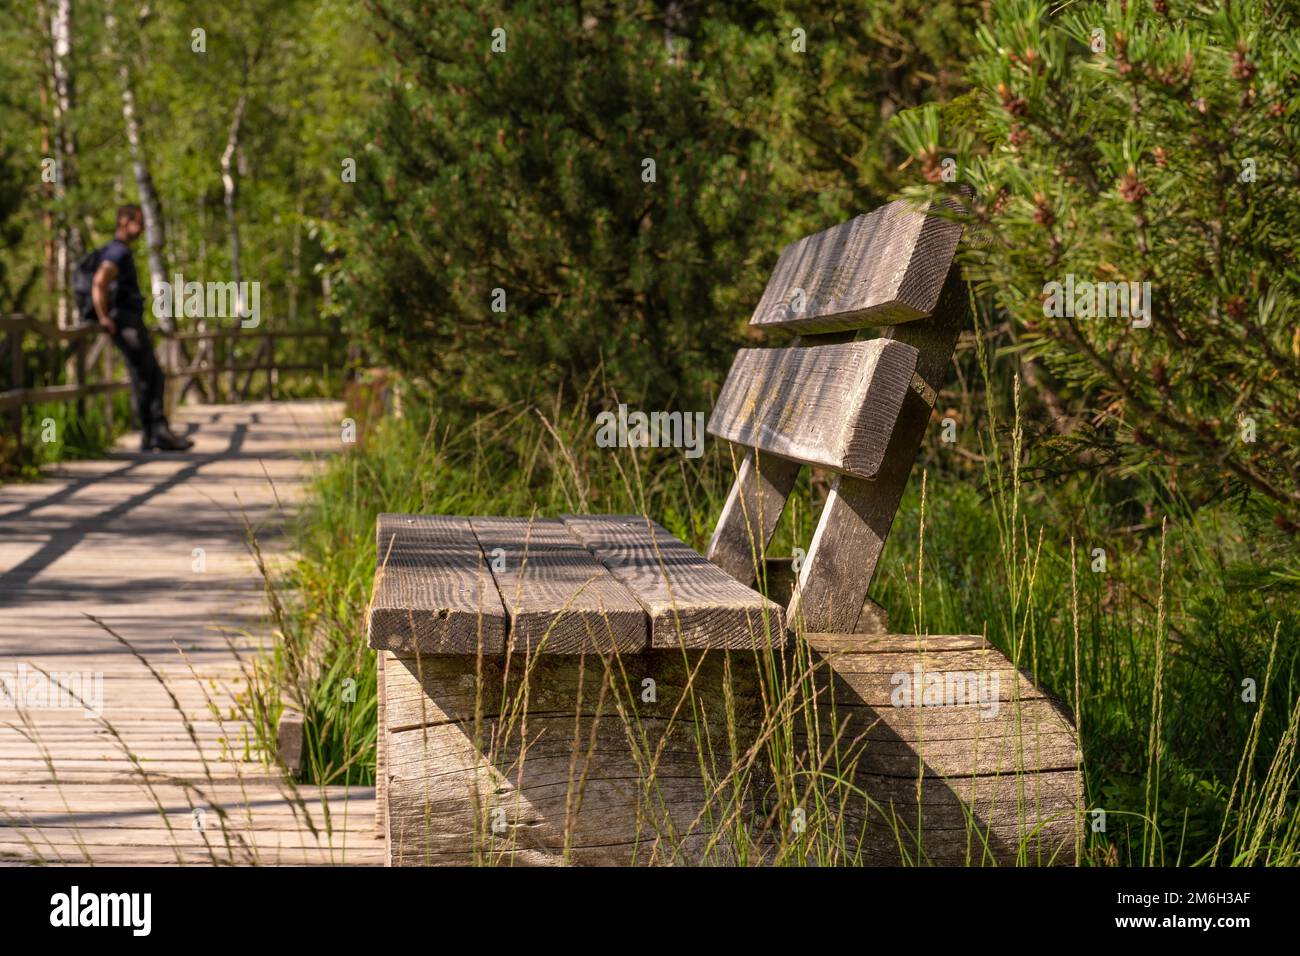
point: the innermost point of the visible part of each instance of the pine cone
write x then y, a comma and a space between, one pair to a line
930, 167
1242, 68
1043, 214
1131, 188
1015, 105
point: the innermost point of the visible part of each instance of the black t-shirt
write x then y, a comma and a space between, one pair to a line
127, 302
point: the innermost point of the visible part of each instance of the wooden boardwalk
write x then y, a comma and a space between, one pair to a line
154, 547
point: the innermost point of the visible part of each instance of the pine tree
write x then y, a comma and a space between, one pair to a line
1146, 143
608, 187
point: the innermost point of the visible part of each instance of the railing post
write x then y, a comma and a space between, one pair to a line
106, 371
270, 367
213, 377
16, 369
233, 382
79, 374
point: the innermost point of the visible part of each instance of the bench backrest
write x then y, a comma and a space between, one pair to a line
856, 408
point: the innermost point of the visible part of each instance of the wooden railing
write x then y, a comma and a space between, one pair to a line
215, 368
207, 362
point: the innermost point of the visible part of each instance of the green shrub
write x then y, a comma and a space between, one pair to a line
526, 171
1145, 143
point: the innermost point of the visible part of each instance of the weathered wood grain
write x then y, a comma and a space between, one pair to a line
381, 745
1006, 820
886, 671
689, 601
433, 589
895, 837
781, 580
957, 741
751, 513
601, 822
656, 682
856, 644
876, 684
1004, 760
559, 598
828, 405
882, 268
855, 521
950, 754
604, 769
597, 769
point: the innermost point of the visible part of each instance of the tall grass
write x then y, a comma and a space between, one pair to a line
54, 431
1154, 644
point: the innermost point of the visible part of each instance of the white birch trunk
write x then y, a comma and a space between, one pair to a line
67, 241
229, 191
155, 233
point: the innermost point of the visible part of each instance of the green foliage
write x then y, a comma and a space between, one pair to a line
305, 67
526, 171
532, 184
11, 233
1170, 156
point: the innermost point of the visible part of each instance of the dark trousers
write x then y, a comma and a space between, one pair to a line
147, 381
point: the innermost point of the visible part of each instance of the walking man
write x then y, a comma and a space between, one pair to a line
119, 307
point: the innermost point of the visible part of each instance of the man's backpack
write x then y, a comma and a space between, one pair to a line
83, 279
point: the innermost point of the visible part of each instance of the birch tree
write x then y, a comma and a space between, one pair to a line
229, 188
67, 239
150, 203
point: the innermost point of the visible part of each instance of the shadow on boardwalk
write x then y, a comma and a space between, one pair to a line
154, 546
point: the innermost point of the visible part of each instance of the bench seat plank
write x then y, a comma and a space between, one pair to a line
690, 602
559, 599
433, 591
833, 406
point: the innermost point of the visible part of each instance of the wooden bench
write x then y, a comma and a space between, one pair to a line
588, 689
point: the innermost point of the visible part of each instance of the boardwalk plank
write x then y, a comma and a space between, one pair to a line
156, 548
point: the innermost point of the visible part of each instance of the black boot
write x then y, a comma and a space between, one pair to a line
162, 438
